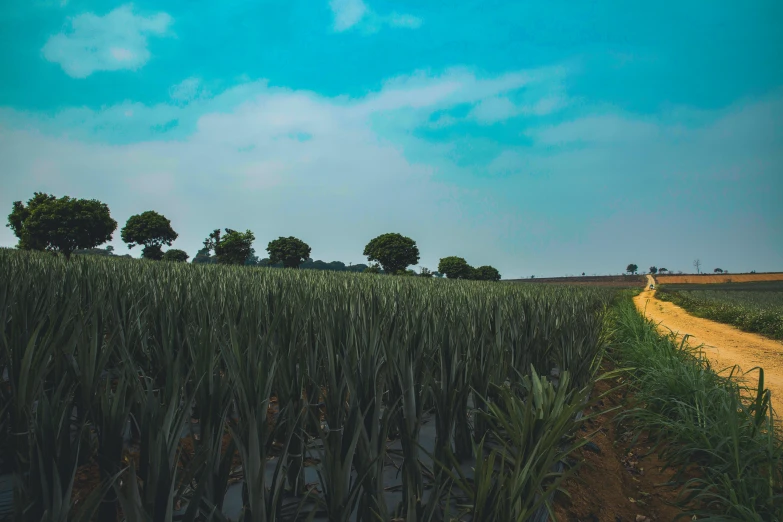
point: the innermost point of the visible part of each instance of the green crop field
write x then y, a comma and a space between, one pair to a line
201, 391
753, 307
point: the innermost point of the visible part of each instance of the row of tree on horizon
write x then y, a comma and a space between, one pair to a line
69, 226
633, 269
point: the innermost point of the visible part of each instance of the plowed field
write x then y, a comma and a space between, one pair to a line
722, 278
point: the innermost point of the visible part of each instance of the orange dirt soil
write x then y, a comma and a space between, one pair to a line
724, 345
723, 278
621, 483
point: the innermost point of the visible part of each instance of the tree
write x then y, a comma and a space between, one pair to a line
394, 252
265, 262
455, 267
291, 251
697, 264
486, 273
663, 270
151, 230
176, 255
103, 252
203, 258
631, 269
718, 271
61, 224
233, 248
425, 272
336, 266
373, 269
252, 258
653, 270
18, 217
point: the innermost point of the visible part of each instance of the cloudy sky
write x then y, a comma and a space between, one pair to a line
545, 138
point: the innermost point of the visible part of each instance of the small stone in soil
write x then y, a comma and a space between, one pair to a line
592, 446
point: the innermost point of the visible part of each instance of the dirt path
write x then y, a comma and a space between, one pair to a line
724, 345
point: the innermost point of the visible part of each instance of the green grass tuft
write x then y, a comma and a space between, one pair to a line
724, 448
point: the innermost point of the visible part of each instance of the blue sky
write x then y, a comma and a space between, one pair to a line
545, 138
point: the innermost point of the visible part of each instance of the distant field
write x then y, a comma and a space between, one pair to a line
752, 286
722, 278
618, 281
750, 306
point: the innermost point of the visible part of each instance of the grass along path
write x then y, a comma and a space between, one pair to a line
728, 456
724, 345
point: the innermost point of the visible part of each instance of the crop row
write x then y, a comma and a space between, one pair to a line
760, 312
318, 392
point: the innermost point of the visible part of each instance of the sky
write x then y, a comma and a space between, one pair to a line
542, 138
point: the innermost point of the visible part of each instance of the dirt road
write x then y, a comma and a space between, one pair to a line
724, 345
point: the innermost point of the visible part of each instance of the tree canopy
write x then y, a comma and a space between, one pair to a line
455, 267
61, 224
310, 264
486, 273
103, 252
373, 269
203, 258
425, 272
252, 258
176, 255
394, 252
290, 251
653, 270
233, 248
78, 226
151, 230
631, 269
18, 217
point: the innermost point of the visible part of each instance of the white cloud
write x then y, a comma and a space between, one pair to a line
349, 13
246, 165
402, 102
404, 20
501, 108
494, 109
121, 54
187, 90
317, 163
117, 40
544, 106
605, 128
454, 86
420, 93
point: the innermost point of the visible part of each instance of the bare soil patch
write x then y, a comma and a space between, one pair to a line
617, 481
723, 278
724, 345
